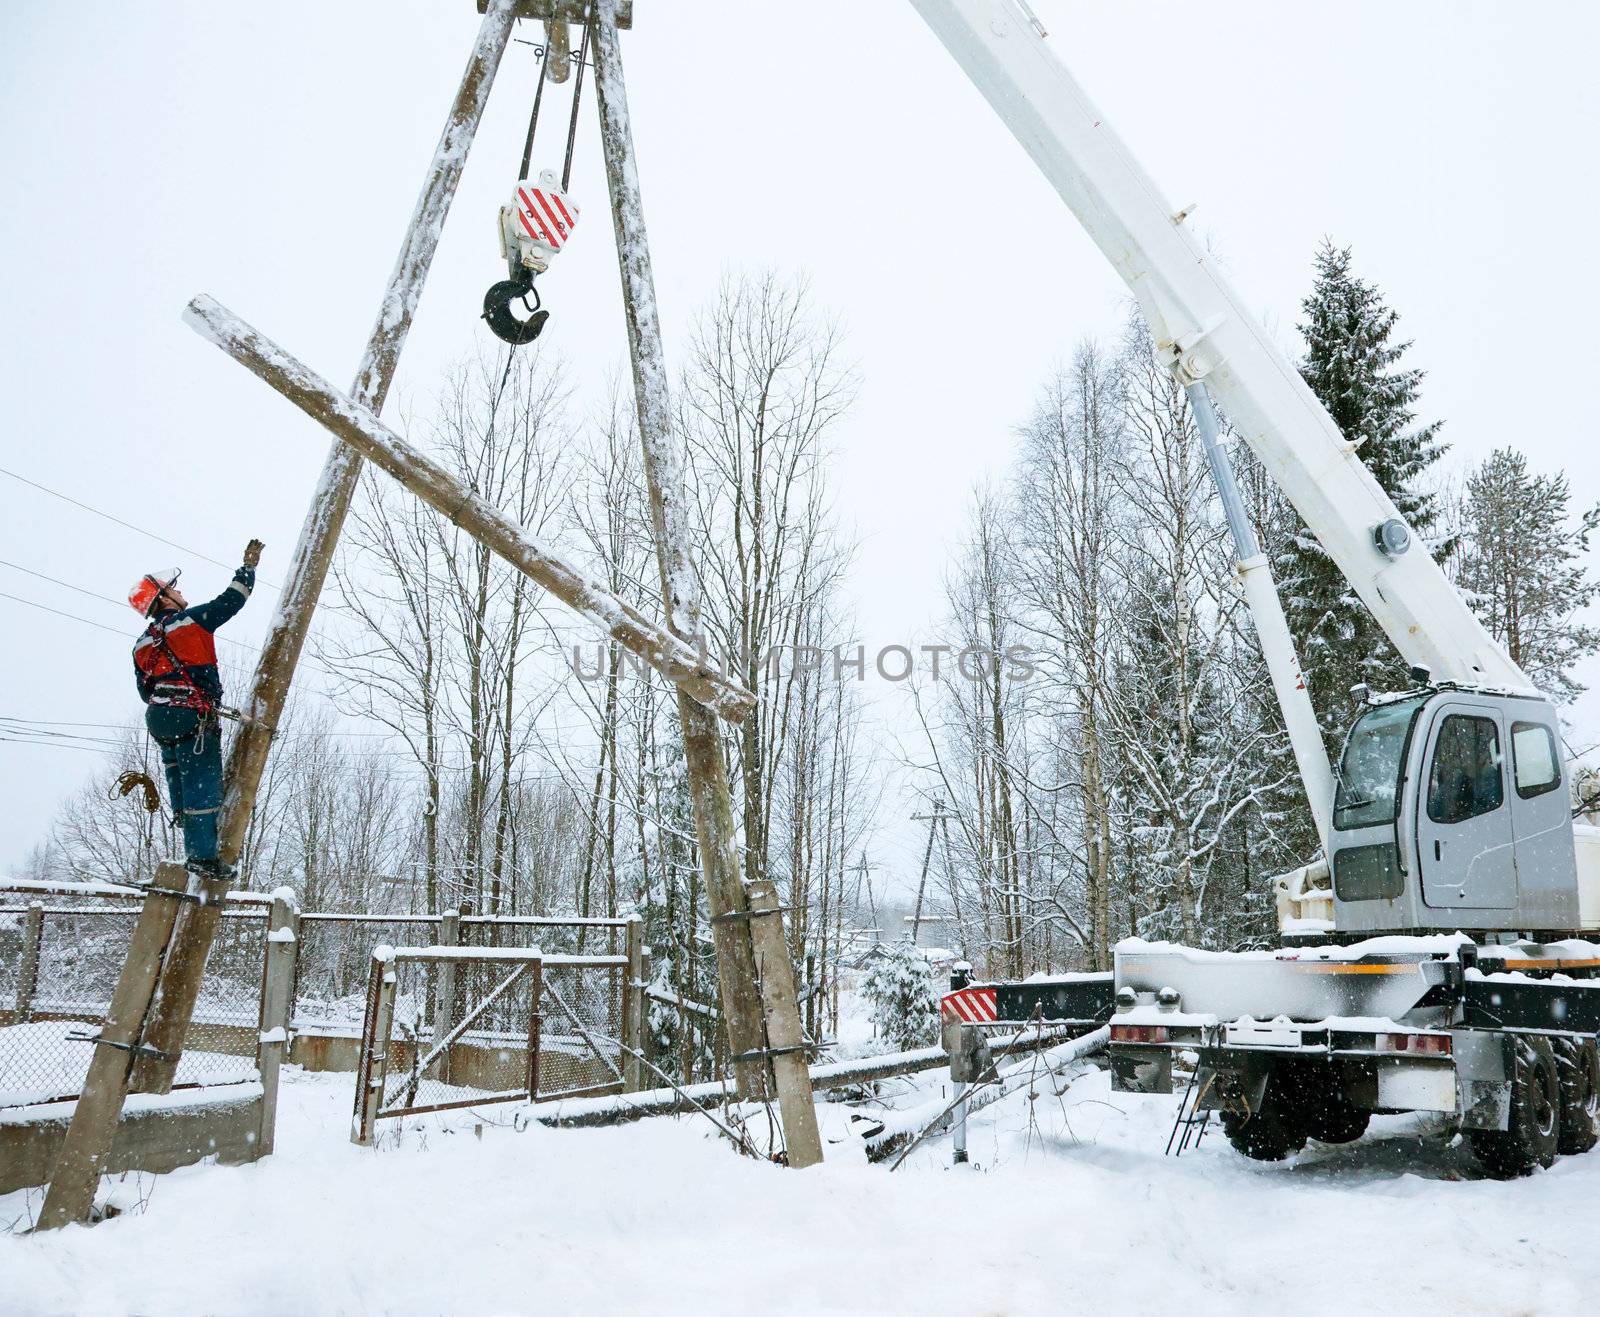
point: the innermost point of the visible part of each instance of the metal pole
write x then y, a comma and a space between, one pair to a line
180, 976
1272, 630
706, 772
960, 1153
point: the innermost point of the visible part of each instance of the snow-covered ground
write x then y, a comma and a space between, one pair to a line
1073, 1210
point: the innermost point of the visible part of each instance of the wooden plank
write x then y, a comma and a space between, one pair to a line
88, 1142
678, 662
372, 1068
633, 1008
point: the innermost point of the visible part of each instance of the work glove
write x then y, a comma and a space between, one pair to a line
252, 553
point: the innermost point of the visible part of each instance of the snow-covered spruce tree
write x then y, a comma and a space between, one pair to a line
898, 985
1521, 562
1352, 364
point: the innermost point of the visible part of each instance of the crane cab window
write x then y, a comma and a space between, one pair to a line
1465, 780
1369, 768
1534, 763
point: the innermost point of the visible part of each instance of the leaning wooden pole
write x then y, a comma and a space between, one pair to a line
180, 977
663, 467
87, 1146
445, 494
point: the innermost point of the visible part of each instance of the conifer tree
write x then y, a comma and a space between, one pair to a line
1520, 561
1353, 364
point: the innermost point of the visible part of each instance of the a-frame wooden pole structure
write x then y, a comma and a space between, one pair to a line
161, 1021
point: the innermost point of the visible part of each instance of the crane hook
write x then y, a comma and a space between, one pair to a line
497, 311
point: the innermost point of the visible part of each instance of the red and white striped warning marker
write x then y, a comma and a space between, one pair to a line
969, 1005
545, 214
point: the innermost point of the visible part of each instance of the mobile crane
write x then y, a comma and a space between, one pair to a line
1434, 959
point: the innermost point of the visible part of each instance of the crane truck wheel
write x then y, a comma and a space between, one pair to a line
1529, 1140
1273, 1130
1578, 1070
1324, 1110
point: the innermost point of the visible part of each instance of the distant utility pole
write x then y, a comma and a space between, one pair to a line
933, 821
864, 879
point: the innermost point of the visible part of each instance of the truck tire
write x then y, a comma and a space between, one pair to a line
1578, 1069
1273, 1130
1529, 1140
1324, 1110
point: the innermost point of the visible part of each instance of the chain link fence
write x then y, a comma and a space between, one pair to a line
335, 951
579, 1043
61, 956
59, 963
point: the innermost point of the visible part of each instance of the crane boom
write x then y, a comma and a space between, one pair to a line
1204, 333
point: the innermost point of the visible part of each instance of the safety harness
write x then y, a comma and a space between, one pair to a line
177, 689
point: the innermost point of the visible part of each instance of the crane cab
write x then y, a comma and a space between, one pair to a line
1451, 811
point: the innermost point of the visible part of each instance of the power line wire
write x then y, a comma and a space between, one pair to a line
128, 525
73, 617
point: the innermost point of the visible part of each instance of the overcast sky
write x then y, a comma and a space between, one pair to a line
269, 154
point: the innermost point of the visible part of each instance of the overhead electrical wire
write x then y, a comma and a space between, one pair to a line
128, 525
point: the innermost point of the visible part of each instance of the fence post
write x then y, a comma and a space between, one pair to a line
277, 1007
373, 1068
444, 992
535, 1025
633, 985
28, 979
646, 1034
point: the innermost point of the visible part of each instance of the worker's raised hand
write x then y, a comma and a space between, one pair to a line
252, 553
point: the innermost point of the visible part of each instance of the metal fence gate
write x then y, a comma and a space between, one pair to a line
450, 1027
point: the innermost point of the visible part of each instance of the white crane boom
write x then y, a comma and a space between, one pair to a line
1204, 333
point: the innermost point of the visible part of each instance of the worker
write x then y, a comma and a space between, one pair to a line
175, 665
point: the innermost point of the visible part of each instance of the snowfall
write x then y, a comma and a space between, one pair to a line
1068, 1205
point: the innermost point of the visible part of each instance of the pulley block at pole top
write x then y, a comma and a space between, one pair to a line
533, 229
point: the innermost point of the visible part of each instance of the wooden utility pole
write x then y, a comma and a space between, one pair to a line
933, 820
680, 592
180, 978
170, 983
94, 1120
750, 952
785, 1043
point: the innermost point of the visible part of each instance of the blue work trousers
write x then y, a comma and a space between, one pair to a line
191, 752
